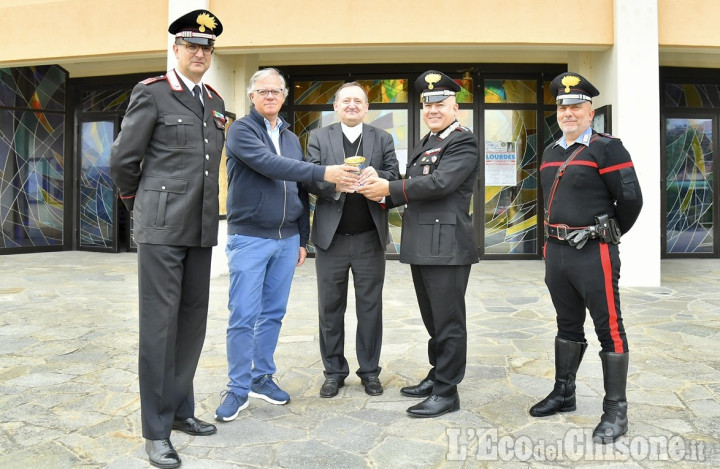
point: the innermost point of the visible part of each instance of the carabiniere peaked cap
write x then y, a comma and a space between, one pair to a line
435, 86
199, 27
572, 88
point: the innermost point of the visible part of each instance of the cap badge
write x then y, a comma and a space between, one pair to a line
205, 21
568, 81
431, 79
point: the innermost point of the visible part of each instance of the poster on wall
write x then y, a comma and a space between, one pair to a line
500, 163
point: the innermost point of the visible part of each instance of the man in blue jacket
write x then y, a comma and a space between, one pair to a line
268, 221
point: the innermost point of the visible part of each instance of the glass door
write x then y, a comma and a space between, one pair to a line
689, 217
97, 204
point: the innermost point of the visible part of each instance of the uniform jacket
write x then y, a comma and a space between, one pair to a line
165, 162
600, 180
437, 225
325, 147
265, 199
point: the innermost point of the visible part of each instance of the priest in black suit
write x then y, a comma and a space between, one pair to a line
350, 233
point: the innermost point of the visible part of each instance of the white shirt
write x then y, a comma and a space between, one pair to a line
190, 85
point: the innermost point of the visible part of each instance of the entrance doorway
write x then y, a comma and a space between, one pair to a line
690, 120
508, 107
101, 221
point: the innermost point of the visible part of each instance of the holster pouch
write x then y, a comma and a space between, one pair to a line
607, 229
602, 227
615, 232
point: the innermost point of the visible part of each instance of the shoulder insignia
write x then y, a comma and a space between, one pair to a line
150, 81
461, 128
210, 88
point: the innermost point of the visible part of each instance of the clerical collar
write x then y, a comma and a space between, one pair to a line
188, 82
352, 133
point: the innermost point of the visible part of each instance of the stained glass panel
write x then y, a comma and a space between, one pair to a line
31, 178
41, 87
511, 91
511, 209
465, 95
548, 97
105, 100
97, 198
307, 121
689, 186
316, 92
697, 96
552, 128
386, 91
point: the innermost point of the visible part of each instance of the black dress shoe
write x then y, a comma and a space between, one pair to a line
372, 385
162, 454
331, 386
193, 426
435, 405
422, 389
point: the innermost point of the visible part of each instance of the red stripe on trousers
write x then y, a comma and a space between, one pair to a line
610, 296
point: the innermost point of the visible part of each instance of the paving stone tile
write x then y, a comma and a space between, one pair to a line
69, 392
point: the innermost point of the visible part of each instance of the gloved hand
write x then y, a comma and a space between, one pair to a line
578, 238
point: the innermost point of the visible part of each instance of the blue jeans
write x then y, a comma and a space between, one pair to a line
261, 271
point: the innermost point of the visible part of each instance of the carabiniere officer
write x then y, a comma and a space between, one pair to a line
437, 238
592, 197
165, 163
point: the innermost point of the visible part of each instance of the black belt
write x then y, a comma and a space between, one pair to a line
355, 232
606, 229
560, 230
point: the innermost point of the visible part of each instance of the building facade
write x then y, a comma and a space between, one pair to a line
65, 87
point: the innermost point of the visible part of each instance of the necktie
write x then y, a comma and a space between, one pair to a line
197, 93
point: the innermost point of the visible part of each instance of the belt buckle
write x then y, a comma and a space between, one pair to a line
562, 232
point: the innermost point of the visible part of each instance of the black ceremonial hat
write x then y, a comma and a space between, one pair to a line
572, 88
435, 86
199, 27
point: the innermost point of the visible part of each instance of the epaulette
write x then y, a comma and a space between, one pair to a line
607, 136
150, 81
461, 128
213, 90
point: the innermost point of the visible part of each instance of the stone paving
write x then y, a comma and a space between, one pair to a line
69, 392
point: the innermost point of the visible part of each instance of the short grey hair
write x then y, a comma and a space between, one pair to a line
348, 85
262, 74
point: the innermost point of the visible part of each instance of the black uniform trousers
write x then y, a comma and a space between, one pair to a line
363, 255
174, 283
587, 278
440, 291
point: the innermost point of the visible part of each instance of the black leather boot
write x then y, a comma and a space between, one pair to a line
614, 422
568, 356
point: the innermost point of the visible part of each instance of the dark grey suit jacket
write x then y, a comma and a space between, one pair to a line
166, 160
325, 147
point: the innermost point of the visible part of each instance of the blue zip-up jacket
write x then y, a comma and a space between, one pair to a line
264, 198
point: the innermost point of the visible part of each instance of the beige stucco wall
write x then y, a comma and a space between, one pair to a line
110, 37
689, 24
52, 31
78, 31
320, 23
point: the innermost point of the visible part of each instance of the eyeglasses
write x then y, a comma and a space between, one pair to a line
263, 93
193, 48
